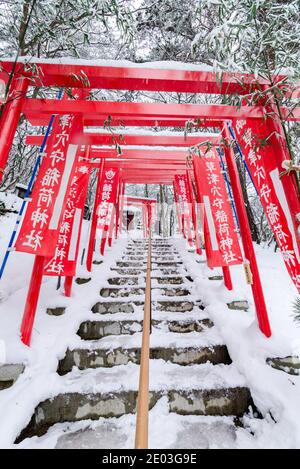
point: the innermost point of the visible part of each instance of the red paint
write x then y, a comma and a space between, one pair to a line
227, 278
68, 285
258, 295
90, 252
32, 299
10, 118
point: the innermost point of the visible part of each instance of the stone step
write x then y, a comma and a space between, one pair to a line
155, 263
154, 259
124, 271
82, 280
9, 374
174, 306
106, 357
93, 330
74, 406
136, 280
108, 307
126, 292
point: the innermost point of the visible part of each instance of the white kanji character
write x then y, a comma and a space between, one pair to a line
221, 216
54, 267
33, 240
253, 157
288, 256
281, 236
64, 227
224, 229
66, 120
228, 257
210, 166
83, 169
60, 253
226, 243
62, 239
61, 139
45, 197
260, 173
265, 192
107, 187
248, 138
218, 203
51, 177
56, 156
272, 213
213, 179
69, 213
39, 217
215, 190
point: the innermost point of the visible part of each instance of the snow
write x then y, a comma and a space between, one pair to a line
11, 201
160, 133
160, 65
275, 393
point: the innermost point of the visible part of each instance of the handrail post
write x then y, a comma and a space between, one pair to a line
141, 434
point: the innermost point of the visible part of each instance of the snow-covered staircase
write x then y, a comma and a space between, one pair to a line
190, 367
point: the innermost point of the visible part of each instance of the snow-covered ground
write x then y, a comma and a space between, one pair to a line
275, 393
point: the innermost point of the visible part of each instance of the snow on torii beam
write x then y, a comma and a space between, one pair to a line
138, 200
175, 77
91, 138
100, 121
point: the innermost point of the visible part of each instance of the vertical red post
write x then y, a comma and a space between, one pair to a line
289, 180
177, 208
194, 214
90, 252
122, 192
227, 278
103, 239
117, 210
111, 226
32, 299
257, 290
10, 118
68, 285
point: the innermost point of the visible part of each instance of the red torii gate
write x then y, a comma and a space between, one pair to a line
150, 166
146, 205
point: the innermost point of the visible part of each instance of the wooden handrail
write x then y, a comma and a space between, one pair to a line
141, 432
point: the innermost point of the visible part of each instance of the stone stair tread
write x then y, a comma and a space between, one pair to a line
163, 376
192, 432
159, 339
195, 314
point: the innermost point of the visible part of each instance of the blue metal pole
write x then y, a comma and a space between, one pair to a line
28, 191
241, 155
228, 187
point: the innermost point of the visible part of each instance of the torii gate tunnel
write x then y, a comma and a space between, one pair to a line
84, 133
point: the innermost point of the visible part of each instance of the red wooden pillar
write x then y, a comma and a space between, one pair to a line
10, 118
117, 210
122, 192
289, 180
68, 285
177, 208
193, 214
227, 278
32, 299
111, 226
257, 290
92, 237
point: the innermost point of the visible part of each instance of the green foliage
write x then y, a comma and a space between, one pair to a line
296, 310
